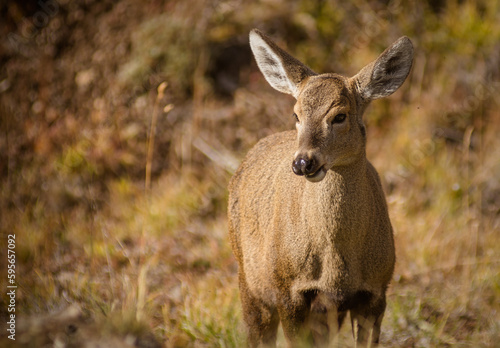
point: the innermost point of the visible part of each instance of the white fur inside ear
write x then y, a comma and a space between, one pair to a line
271, 65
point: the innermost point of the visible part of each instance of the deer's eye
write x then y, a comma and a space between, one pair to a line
296, 117
339, 118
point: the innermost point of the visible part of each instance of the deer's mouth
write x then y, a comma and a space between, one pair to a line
318, 175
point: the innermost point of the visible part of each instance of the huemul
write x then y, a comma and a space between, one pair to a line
308, 220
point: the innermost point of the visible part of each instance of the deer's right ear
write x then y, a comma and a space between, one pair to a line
283, 72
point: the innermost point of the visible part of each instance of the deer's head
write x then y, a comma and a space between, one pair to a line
330, 107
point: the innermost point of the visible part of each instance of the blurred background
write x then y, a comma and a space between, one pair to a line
122, 121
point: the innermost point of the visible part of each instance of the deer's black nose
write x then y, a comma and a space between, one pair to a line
304, 166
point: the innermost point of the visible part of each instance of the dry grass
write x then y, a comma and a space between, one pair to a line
135, 234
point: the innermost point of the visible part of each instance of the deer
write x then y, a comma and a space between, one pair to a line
307, 216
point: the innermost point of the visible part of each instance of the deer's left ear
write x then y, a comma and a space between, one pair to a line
283, 72
387, 73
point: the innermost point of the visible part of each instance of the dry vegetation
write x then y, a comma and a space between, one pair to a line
106, 253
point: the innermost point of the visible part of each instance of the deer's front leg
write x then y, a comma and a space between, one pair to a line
294, 314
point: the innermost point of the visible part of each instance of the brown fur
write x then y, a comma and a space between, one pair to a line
310, 251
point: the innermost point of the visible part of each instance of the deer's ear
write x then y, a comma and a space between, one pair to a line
387, 73
283, 72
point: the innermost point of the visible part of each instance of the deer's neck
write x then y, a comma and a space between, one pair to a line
344, 194
347, 177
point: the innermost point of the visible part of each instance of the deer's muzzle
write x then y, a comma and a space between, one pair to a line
309, 167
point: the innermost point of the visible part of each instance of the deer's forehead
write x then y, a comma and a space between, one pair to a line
321, 93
